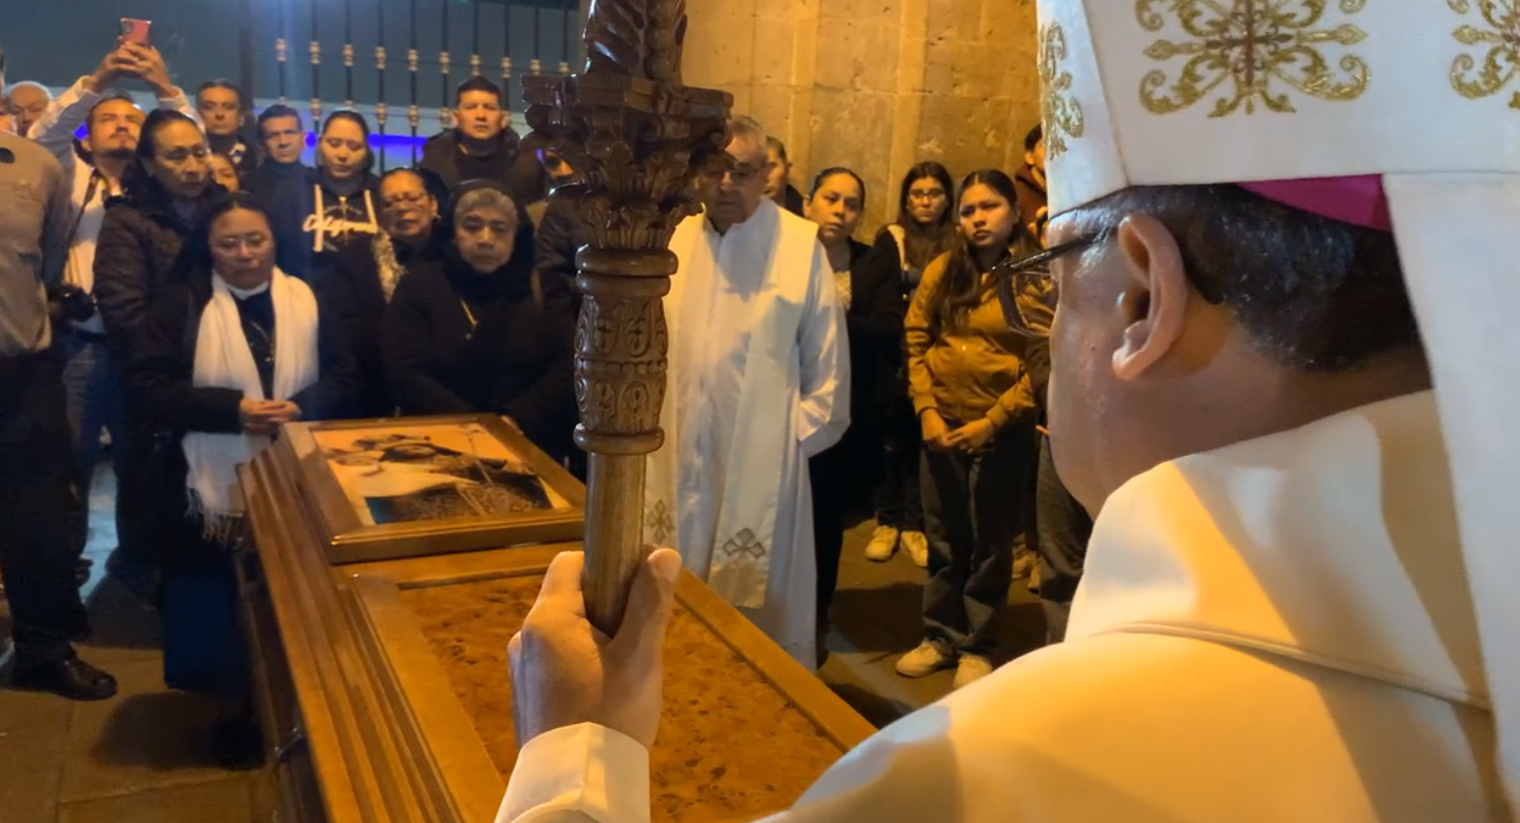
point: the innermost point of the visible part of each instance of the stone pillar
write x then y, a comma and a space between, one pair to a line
876, 85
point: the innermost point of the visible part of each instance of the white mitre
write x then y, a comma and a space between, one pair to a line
1394, 114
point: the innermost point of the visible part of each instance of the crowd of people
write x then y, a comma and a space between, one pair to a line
204, 286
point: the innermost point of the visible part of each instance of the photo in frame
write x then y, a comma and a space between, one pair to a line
406, 487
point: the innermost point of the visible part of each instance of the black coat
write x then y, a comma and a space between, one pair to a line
509, 165
351, 290
161, 374
280, 187
136, 256
560, 237
875, 325
518, 361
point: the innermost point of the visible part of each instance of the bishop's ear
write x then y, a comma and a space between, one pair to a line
1154, 300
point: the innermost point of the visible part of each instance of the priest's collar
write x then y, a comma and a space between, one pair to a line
1334, 544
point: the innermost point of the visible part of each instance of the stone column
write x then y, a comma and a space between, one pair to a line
876, 85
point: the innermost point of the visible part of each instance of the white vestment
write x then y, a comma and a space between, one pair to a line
759, 382
1280, 630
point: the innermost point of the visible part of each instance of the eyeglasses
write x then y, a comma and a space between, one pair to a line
927, 196
1026, 291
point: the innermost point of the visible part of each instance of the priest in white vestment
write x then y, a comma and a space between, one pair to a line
1282, 380
759, 383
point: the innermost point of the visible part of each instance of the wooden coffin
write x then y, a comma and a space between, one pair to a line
385, 692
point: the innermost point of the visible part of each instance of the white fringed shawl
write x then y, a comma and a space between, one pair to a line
223, 360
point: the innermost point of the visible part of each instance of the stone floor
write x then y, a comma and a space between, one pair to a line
141, 757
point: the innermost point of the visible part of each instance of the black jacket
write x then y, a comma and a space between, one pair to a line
518, 361
509, 165
874, 323
136, 256
160, 375
560, 237
351, 290
295, 218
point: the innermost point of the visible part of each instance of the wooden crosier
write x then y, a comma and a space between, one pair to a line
637, 139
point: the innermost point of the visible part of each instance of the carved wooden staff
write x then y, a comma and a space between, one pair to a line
636, 137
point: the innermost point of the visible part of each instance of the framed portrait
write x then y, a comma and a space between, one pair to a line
408, 487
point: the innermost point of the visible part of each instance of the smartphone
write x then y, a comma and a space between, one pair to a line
135, 31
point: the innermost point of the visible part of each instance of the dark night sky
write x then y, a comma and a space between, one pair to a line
56, 41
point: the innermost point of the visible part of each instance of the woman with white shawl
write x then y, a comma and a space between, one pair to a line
232, 351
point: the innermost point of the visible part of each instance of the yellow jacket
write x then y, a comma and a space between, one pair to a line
979, 370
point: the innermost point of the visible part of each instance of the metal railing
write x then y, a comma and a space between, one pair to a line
498, 36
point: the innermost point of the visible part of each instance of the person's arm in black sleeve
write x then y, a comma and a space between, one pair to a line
120, 269
407, 349
545, 411
555, 246
337, 386
877, 321
161, 374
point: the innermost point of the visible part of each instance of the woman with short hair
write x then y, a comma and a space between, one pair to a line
478, 331
364, 277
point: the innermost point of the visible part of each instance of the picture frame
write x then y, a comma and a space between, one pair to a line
385, 489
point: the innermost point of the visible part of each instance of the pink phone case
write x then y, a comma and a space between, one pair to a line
136, 31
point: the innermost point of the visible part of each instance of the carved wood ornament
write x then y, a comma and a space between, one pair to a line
637, 139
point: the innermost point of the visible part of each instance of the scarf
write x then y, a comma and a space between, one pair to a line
223, 360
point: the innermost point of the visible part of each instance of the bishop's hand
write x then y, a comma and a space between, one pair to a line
566, 672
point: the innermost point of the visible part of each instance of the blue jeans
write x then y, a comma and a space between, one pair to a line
94, 402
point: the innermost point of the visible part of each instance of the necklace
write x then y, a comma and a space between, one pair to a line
469, 315
268, 340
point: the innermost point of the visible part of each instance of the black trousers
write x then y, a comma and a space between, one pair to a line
43, 513
972, 510
899, 500
138, 490
829, 475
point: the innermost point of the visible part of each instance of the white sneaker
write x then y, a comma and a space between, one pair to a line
971, 668
917, 547
924, 661
883, 544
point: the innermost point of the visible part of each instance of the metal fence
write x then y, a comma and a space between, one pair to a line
400, 60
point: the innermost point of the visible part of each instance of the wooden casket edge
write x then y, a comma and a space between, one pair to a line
424, 697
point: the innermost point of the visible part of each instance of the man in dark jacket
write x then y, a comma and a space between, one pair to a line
481, 146
220, 106
282, 137
1030, 182
282, 178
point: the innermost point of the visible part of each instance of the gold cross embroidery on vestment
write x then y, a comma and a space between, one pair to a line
1501, 33
1061, 113
1252, 48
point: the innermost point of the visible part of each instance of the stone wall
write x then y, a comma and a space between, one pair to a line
876, 85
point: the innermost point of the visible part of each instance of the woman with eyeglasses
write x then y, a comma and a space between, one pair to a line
479, 331
969, 382
232, 350
925, 229
363, 279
